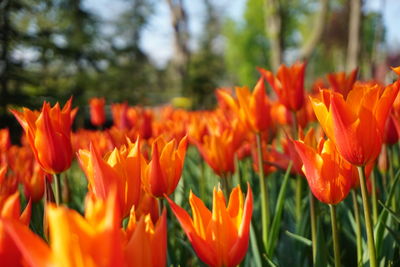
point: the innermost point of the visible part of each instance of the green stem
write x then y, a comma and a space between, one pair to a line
358, 227
391, 172
336, 248
202, 179
225, 183
57, 188
295, 125
298, 198
367, 216
374, 201
313, 226
264, 194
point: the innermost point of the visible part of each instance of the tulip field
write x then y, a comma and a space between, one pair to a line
281, 173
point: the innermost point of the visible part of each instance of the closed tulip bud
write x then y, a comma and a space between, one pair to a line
49, 135
288, 85
163, 172
328, 174
97, 113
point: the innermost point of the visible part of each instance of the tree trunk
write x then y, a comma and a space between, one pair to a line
353, 46
181, 55
273, 31
308, 48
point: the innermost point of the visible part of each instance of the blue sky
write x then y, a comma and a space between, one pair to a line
157, 37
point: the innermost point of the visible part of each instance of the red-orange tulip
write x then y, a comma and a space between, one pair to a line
93, 240
163, 172
356, 124
120, 170
288, 84
397, 70
146, 242
327, 173
220, 237
218, 150
254, 107
341, 83
10, 209
97, 113
49, 135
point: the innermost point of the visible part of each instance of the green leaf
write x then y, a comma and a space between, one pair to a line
379, 229
299, 238
394, 215
276, 223
254, 247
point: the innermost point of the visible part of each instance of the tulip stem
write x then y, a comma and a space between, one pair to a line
57, 188
336, 249
374, 201
367, 216
225, 185
298, 198
313, 226
391, 172
358, 227
264, 193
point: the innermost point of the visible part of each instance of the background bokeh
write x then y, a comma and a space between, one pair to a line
149, 52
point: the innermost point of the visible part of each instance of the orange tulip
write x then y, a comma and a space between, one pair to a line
220, 237
8, 185
342, 84
255, 107
5, 144
356, 124
396, 70
163, 172
97, 113
146, 242
120, 115
49, 135
93, 240
288, 84
327, 173
120, 169
10, 209
218, 150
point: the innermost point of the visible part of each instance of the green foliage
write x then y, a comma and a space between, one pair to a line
247, 45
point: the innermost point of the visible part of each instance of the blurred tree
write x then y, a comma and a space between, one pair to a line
207, 69
129, 75
13, 75
246, 44
181, 55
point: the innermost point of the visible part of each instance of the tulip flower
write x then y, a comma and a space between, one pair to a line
97, 113
146, 242
288, 84
341, 83
120, 115
397, 70
10, 209
5, 144
254, 107
356, 124
93, 240
218, 150
163, 172
327, 173
120, 169
219, 237
49, 135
